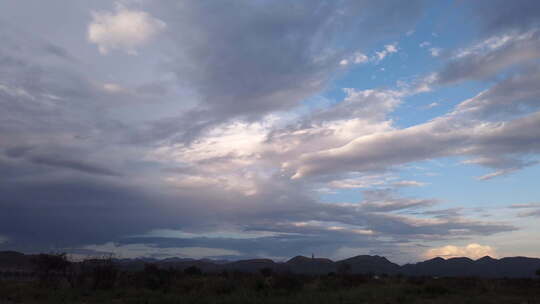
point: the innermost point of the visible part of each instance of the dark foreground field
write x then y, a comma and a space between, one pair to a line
153, 286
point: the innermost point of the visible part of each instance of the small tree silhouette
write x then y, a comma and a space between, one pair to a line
538, 272
155, 277
103, 272
266, 272
51, 268
192, 271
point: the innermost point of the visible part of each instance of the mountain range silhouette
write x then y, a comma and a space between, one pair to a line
508, 267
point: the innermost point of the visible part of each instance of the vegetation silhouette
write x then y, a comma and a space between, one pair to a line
105, 280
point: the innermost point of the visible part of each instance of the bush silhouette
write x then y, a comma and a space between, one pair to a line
266, 272
192, 270
157, 278
288, 282
102, 272
156, 284
51, 268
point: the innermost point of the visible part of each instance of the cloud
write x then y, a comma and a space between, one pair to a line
360, 58
385, 200
15, 91
473, 251
365, 181
488, 57
435, 52
115, 88
125, 29
473, 129
388, 49
368, 105
408, 183
531, 209
281, 55
378, 152
432, 105
375, 152
149, 250
525, 206
325, 227
511, 97
356, 58
532, 213
73, 165
502, 16
122, 208
370, 181
91, 165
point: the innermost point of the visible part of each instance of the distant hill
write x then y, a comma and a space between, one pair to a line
511, 267
514, 267
12, 260
370, 264
302, 264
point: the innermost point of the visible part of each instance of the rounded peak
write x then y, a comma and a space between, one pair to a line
302, 259
367, 259
486, 259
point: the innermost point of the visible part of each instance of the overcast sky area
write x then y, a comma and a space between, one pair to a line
242, 129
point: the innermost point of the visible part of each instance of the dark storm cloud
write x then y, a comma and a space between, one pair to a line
65, 210
38, 214
60, 188
72, 211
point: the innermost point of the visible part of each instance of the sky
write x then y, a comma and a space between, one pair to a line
242, 129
